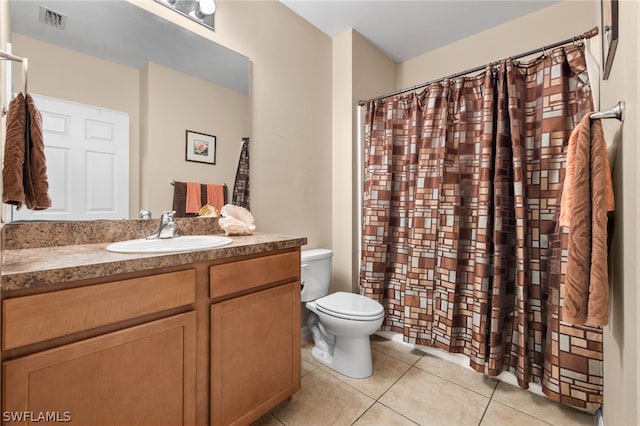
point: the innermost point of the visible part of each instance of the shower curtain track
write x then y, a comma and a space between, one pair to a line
591, 33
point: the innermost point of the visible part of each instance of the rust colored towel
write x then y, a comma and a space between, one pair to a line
14, 153
194, 197
215, 196
589, 198
567, 191
25, 164
36, 182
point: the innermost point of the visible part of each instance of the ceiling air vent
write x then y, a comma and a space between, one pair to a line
53, 18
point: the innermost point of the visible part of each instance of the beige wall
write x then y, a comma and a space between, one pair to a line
66, 74
360, 71
342, 161
546, 26
175, 102
622, 335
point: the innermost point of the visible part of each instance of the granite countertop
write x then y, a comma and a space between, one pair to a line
26, 268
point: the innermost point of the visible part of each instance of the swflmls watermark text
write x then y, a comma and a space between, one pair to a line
36, 416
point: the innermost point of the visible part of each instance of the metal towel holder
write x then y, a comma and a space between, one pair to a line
617, 111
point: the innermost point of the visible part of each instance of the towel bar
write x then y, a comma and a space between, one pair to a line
173, 182
617, 111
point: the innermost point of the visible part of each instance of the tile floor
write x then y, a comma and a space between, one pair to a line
409, 387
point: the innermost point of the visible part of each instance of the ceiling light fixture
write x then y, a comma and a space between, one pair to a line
201, 11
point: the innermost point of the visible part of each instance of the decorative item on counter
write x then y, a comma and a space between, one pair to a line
236, 220
208, 211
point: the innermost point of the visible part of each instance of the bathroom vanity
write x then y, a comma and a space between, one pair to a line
206, 337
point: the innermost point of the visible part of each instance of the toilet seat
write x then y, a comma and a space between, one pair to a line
350, 306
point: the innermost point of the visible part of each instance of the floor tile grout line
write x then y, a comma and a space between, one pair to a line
516, 408
394, 383
377, 400
523, 412
364, 412
398, 413
484, 413
398, 358
458, 384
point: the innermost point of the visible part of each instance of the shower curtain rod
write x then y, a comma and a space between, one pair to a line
591, 33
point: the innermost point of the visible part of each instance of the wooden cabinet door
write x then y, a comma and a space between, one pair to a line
255, 354
142, 375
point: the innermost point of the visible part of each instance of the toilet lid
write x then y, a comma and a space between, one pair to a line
353, 305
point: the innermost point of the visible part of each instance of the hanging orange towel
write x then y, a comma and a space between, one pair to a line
194, 197
215, 196
14, 155
25, 166
566, 202
586, 199
37, 192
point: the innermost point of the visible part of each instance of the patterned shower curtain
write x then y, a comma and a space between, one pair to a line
461, 242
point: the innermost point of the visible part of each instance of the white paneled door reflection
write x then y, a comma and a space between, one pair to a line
87, 151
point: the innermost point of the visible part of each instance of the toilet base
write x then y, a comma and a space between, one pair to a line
351, 356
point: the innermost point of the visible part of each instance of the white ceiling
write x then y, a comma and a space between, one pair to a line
405, 29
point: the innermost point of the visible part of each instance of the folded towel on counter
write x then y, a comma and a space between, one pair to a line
216, 196
25, 167
587, 197
194, 198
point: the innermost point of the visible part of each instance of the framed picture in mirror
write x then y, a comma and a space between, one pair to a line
609, 34
201, 147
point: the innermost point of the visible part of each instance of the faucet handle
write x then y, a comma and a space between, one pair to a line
167, 216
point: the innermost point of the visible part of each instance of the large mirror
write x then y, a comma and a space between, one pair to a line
163, 81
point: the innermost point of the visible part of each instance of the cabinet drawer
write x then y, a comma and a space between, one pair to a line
243, 275
40, 317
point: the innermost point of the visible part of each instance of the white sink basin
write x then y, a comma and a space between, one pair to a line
168, 245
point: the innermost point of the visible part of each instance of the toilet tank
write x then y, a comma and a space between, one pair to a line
315, 274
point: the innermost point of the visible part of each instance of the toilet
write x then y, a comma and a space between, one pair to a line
340, 323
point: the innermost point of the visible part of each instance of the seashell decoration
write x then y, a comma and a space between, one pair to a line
236, 220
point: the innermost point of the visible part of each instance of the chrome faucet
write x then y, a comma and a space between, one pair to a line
167, 227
